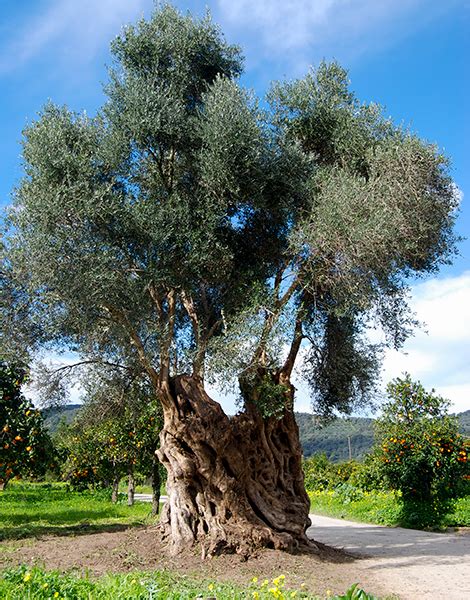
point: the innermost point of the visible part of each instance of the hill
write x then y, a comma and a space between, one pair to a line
54, 415
334, 438
464, 419
337, 437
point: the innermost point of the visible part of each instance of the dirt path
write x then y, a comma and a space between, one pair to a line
415, 564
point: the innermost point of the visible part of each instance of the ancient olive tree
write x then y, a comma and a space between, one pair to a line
215, 240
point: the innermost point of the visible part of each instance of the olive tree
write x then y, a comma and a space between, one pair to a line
213, 240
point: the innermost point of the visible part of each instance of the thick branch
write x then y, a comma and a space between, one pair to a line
288, 366
199, 340
121, 318
166, 345
272, 316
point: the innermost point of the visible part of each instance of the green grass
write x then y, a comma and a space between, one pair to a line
461, 515
139, 489
23, 583
381, 508
28, 510
373, 507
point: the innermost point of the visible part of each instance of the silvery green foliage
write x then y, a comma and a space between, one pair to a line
112, 204
231, 354
184, 227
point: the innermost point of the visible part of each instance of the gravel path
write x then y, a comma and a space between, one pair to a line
416, 565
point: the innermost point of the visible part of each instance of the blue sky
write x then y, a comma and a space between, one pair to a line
409, 55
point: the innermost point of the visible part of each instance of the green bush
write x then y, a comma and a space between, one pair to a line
368, 475
420, 453
321, 474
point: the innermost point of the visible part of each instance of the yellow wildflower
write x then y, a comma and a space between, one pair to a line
210, 587
27, 577
254, 580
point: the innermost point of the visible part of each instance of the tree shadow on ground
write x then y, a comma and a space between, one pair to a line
83, 528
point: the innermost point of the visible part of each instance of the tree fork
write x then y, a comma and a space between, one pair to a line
235, 484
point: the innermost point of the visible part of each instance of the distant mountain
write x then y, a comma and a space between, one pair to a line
53, 416
336, 437
464, 418
332, 438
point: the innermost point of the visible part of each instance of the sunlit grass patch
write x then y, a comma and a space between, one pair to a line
378, 507
28, 509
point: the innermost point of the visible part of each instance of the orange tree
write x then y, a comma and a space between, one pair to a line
25, 446
130, 442
420, 452
111, 440
86, 464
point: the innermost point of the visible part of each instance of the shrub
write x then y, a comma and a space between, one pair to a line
420, 452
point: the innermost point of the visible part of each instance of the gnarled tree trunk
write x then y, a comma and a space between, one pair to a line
234, 483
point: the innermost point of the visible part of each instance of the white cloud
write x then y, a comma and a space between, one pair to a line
439, 356
281, 24
302, 32
78, 29
458, 194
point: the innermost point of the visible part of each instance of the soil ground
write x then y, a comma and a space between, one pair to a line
142, 549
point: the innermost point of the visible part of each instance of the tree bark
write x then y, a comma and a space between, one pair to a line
156, 483
234, 483
115, 488
130, 486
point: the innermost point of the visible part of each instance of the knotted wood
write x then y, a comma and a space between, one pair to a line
234, 483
